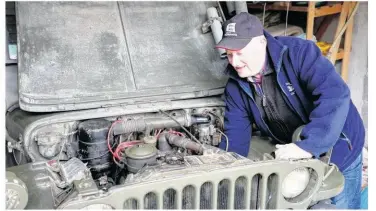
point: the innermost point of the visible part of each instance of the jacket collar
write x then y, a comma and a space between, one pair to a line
275, 49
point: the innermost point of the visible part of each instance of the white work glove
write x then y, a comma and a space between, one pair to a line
290, 151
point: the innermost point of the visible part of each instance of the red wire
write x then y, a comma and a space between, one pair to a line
170, 131
176, 133
123, 146
108, 138
159, 132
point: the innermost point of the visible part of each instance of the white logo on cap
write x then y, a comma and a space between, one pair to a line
230, 30
231, 27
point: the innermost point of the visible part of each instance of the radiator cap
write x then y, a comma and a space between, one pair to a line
141, 151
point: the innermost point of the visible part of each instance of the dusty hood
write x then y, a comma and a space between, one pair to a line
80, 55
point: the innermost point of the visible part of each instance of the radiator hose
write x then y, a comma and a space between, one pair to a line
166, 139
128, 126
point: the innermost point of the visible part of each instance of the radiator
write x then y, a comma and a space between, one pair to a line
239, 184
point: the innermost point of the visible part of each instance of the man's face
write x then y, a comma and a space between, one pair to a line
250, 60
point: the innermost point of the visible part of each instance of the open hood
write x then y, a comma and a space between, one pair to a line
81, 55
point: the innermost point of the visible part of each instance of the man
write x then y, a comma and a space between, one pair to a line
282, 83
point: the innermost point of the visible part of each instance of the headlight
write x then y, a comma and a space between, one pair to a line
15, 192
295, 182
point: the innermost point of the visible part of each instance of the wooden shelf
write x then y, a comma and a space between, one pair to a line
343, 8
328, 10
319, 11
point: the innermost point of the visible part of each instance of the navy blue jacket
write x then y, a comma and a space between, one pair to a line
313, 89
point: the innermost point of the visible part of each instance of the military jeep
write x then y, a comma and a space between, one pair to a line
119, 107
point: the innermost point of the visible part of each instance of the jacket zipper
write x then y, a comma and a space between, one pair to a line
258, 109
348, 141
271, 113
263, 100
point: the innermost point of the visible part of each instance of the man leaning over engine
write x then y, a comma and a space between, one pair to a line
281, 83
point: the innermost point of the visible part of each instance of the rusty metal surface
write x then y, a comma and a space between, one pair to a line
79, 55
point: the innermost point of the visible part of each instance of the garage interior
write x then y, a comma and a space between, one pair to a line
344, 23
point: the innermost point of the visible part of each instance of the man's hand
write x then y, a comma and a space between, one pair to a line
290, 151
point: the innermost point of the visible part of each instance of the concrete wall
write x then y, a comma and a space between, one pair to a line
358, 65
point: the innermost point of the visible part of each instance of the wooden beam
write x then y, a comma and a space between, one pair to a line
278, 7
328, 10
340, 54
341, 23
347, 45
310, 19
323, 26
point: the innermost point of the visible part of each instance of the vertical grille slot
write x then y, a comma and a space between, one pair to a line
240, 193
188, 198
272, 191
223, 194
131, 204
263, 186
255, 192
169, 199
150, 201
206, 196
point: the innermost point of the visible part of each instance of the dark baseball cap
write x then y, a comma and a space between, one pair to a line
239, 31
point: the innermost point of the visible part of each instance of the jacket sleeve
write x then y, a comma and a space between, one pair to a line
237, 122
331, 100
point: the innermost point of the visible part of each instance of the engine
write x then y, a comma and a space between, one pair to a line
111, 151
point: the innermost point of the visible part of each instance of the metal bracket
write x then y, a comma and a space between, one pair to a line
206, 26
14, 145
86, 186
10, 147
267, 156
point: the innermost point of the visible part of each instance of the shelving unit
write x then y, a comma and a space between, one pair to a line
320, 11
313, 11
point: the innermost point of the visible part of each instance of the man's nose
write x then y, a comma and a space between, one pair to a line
235, 61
